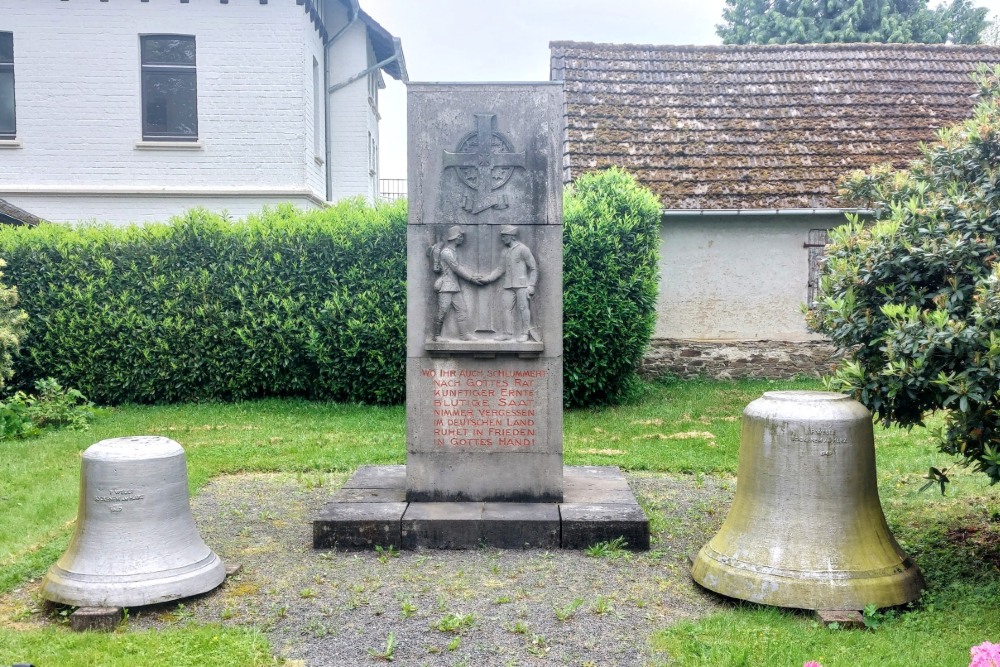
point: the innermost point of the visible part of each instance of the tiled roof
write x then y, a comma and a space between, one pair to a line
735, 127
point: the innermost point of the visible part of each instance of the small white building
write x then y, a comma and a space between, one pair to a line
136, 110
744, 146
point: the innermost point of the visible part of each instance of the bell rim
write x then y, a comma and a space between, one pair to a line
883, 587
66, 587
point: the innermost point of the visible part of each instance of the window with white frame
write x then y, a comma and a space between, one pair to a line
169, 88
8, 120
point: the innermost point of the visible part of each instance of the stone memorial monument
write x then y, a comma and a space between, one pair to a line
484, 368
484, 302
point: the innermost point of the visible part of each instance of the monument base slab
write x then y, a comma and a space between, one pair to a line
367, 512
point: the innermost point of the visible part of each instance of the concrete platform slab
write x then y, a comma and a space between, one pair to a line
358, 525
585, 524
377, 477
471, 525
370, 495
369, 511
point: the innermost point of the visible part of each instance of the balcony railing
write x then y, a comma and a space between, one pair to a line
391, 189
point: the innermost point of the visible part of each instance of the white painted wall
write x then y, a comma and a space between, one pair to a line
351, 116
735, 277
77, 73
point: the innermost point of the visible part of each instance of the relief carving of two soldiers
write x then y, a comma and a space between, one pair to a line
519, 274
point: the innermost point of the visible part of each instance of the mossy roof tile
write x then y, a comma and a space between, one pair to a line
760, 126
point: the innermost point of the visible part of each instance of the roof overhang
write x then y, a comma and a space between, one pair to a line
386, 47
12, 215
733, 212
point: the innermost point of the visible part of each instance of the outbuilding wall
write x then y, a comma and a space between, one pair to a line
731, 294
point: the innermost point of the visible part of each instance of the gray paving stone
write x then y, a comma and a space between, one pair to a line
101, 619
442, 525
367, 495
378, 477
597, 495
358, 525
584, 524
471, 525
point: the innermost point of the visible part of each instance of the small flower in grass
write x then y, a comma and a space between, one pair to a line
811, 663
985, 655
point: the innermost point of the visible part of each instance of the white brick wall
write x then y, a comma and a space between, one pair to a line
350, 116
77, 74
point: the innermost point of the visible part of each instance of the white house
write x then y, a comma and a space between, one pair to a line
744, 146
135, 110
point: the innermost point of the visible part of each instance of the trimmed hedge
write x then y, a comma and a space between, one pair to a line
291, 303
610, 256
283, 304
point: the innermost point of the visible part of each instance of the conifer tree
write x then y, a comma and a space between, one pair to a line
824, 21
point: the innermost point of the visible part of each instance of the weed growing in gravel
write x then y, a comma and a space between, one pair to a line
385, 554
452, 622
602, 605
182, 613
503, 599
538, 646
568, 611
388, 651
227, 614
407, 608
518, 628
454, 643
612, 549
307, 593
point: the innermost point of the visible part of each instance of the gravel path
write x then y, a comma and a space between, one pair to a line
480, 608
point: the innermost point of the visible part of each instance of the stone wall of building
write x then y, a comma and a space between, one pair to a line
774, 359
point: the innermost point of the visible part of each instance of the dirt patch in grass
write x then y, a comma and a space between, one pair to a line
516, 607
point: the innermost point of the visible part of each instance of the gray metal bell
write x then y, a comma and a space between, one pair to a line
135, 541
806, 527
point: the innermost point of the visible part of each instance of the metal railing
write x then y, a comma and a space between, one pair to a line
391, 189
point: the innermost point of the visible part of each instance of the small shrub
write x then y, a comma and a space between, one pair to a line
24, 415
610, 250
12, 323
913, 300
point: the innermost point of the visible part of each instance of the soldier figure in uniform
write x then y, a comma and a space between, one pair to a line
517, 266
449, 291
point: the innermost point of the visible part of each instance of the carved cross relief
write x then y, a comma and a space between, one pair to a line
485, 160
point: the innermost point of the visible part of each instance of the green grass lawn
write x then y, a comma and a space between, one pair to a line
688, 427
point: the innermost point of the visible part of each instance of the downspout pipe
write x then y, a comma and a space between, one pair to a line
354, 14
360, 75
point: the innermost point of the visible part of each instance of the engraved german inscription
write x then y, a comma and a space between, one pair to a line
119, 496
485, 408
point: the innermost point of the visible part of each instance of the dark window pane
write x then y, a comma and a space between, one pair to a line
6, 103
170, 104
168, 50
6, 47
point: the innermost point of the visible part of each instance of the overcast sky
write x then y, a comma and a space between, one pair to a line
508, 40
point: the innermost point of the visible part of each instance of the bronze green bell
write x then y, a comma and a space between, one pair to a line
806, 528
